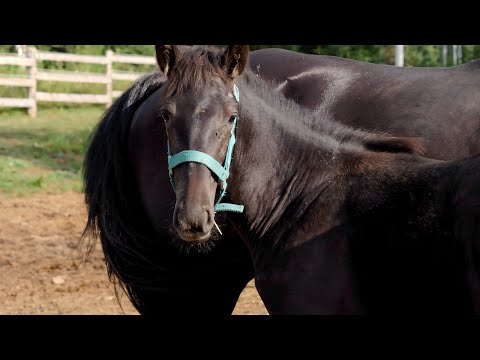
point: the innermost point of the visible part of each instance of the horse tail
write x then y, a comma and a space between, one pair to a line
108, 185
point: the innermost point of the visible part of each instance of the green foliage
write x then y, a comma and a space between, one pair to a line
423, 55
471, 52
415, 55
369, 53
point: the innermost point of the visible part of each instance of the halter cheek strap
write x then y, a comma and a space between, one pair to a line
222, 172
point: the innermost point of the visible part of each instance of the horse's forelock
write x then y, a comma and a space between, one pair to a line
196, 67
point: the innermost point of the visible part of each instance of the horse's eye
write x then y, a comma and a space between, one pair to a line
232, 118
165, 115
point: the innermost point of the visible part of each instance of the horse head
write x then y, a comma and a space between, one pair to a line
199, 106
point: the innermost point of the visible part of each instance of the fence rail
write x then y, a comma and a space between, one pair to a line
54, 56
36, 74
15, 60
72, 76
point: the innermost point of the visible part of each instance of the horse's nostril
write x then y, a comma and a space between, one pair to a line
183, 224
210, 218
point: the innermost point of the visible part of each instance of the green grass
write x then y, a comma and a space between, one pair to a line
44, 154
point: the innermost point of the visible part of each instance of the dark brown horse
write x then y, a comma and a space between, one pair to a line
439, 105
331, 224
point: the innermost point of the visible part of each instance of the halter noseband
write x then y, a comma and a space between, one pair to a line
222, 172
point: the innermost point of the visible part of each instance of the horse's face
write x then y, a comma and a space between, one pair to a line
198, 107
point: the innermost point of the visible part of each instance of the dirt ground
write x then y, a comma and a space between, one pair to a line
43, 272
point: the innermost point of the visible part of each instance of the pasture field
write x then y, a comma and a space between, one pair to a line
43, 267
44, 154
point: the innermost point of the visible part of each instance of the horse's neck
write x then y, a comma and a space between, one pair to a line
276, 161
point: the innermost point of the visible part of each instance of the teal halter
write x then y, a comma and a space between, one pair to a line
222, 172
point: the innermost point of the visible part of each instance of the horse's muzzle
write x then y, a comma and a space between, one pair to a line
194, 224
194, 237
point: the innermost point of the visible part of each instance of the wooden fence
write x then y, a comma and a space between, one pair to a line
36, 74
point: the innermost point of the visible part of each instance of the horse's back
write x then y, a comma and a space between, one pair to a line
440, 105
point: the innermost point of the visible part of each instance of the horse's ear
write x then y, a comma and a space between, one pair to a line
234, 59
167, 55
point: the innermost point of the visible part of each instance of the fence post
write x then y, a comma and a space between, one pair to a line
32, 74
109, 76
399, 55
454, 54
444, 55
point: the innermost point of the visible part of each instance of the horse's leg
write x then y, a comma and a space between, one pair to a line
205, 284
466, 222
315, 277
